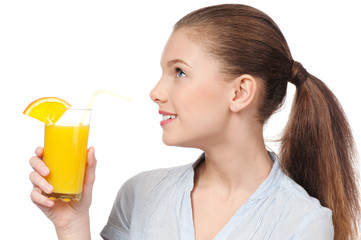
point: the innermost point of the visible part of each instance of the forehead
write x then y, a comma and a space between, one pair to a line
180, 46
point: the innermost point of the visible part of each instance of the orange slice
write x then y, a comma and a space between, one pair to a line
48, 109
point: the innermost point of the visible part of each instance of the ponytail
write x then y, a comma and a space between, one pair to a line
318, 151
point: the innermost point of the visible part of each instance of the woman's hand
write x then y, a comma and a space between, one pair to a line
70, 219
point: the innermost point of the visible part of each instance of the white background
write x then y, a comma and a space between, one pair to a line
69, 49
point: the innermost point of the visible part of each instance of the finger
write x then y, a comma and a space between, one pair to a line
37, 189
38, 165
40, 182
40, 199
39, 152
89, 177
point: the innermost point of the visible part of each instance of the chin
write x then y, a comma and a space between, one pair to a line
169, 142
177, 143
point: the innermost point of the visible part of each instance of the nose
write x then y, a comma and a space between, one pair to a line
158, 93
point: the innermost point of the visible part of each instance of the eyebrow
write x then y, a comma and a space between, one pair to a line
175, 61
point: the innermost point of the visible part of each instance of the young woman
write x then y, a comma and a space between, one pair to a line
225, 72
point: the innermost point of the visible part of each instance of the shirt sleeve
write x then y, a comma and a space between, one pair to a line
118, 224
316, 225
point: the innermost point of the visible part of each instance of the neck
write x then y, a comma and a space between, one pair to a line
240, 164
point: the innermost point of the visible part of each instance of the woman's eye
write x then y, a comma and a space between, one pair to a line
180, 73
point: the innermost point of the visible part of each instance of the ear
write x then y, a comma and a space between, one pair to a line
243, 92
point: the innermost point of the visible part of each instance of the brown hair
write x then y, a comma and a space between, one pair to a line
317, 148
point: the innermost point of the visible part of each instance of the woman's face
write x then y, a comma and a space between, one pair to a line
192, 95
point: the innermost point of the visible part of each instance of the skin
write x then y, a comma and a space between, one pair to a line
71, 220
218, 116
214, 114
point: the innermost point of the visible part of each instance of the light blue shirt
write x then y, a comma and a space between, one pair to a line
156, 205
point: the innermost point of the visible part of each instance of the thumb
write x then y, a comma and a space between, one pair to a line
89, 177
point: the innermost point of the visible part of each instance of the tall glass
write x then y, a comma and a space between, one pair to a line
65, 153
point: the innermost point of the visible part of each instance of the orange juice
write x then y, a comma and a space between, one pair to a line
65, 152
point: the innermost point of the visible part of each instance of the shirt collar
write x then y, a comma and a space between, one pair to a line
272, 182
269, 185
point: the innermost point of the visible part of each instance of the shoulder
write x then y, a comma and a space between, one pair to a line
143, 188
294, 213
147, 181
161, 173
292, 196
309, 216
299, 196
153, 180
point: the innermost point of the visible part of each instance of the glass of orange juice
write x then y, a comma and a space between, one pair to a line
65, 153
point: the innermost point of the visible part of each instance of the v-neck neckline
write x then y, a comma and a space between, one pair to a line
269, 185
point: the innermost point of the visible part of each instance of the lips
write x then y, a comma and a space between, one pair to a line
167, 117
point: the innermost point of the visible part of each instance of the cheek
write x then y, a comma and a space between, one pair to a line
205, 104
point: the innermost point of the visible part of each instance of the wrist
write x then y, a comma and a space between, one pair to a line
80, 229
